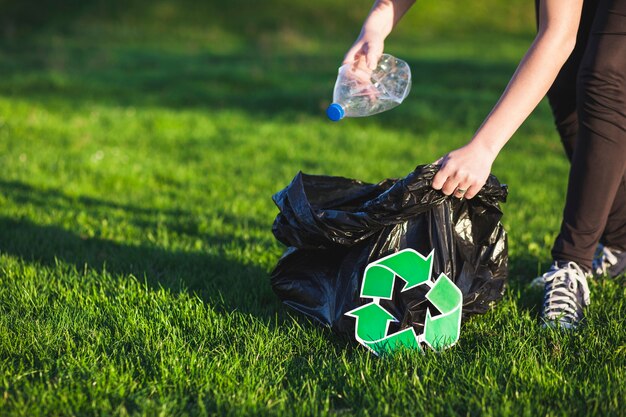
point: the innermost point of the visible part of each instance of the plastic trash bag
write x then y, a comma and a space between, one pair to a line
334, 227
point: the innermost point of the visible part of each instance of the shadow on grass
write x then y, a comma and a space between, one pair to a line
215, 278
178, 220
262, 84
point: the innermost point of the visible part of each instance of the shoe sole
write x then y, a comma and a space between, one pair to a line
555, 324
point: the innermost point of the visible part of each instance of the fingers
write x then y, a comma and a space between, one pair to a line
464, 171
368, 50
472, 191
454, 187
461, 190
373, 56
457, 184
441, 176
353, 55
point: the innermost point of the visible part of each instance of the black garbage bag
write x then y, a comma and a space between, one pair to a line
334, 227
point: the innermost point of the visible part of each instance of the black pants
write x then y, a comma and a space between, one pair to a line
588, 100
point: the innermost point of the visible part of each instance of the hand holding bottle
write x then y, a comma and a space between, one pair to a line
360, 91
368, 46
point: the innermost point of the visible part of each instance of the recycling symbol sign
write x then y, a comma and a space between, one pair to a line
372, 320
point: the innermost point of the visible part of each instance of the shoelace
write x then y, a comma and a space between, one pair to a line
561, 302
604, 259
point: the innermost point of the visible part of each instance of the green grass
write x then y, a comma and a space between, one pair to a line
135, 234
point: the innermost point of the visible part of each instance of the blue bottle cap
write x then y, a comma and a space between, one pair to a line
335, 112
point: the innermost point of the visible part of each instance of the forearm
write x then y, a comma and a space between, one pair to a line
384, 16
527, 87
533, 77
465, 170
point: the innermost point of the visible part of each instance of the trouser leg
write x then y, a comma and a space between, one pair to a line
596, 191
615, 230
562, 93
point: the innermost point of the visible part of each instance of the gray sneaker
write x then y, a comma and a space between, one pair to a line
608, 261
566, 294
539, 282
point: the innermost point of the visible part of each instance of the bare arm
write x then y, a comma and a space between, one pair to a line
468, 167
379, 23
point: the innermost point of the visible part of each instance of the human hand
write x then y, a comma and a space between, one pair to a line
464, 171
368, 46
360, 62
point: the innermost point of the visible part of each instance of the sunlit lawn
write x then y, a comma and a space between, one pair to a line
135, 236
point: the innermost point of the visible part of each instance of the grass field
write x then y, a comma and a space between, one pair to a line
136, 176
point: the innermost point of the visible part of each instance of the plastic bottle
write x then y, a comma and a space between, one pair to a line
359, 91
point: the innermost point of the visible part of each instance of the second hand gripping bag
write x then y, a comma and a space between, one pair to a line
334, 227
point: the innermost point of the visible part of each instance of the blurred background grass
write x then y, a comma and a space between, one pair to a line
230, 53
255, 22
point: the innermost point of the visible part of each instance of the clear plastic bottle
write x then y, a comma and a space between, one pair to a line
359, 91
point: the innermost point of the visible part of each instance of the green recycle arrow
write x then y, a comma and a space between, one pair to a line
372, 320
407, 264
372, 324
445, 329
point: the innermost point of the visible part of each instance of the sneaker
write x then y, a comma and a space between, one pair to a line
566, 294
608, 261
540, 282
